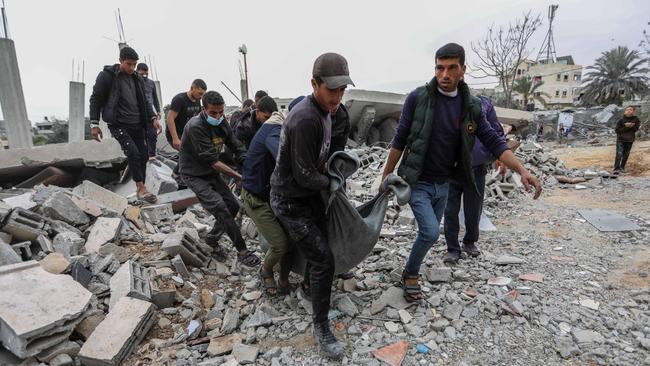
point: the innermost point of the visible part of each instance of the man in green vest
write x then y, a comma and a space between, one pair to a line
436, 134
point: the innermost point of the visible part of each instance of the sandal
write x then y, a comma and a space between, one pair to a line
148, 197
248, 258
286, 288
268, 282
411, 285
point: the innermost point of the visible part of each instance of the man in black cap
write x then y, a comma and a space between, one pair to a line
118, 97
152, 98
436, 132
298, 179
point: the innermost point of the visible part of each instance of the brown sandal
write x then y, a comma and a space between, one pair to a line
268, 282
411, 285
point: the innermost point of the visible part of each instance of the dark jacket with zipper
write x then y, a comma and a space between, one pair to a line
246, 127
203, 144
627, 134
106, 96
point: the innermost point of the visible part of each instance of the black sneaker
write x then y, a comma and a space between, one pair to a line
616, 172
326, 341
471, 249
451, 258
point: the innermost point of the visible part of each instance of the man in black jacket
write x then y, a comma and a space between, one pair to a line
118, 97
626, 129
251, 121
340, 125
204, 138
152, 97
297, 182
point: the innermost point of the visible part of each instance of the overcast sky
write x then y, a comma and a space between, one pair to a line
389, 45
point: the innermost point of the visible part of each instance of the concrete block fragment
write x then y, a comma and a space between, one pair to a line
23, 250
187, 247
80, 274
441, 274
5, 210
159, 179
180, 200
8, 255
25, 225
130, 280
23, 201
27, 327
68, 243
115, 338
157, 213
104, 230
45, 244
163, 291
68, 348
180, 267
102, 196
60, 207
88, 206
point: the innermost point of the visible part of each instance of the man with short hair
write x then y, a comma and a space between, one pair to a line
253, 119
236, 115
118, 98
298, 179
340, 125
626, 129
152, 98
203, 141
433, 155
259, 95
184, 106
472, 199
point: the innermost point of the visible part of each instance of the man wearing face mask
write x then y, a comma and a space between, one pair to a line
298, 179
204, 138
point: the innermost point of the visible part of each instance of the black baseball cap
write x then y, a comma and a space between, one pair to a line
333, 69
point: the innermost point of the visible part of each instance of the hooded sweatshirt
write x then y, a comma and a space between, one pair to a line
627, 134
261, 156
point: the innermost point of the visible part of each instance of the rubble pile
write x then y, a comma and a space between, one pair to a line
90, 277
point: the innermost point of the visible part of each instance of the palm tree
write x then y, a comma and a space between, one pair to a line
527, 88
618, 74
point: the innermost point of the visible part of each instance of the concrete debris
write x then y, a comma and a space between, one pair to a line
55, 263
68, 243
159, 178
103, 231
103, 197
23, 201
157, 213
25, 225
130, 280
245, 354
50, 307
8, 255
188, 248
224, 344
118, 335
60, 207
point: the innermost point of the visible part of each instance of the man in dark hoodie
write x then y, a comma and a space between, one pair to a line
204, 138
297, 182
626, 129
256, 188
251, 121
152, 97
118, 98
340, 125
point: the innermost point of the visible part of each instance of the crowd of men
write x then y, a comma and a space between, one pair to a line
279, 164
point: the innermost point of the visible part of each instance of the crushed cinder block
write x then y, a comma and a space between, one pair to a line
101, 196
157, 213
130, 280
23, 201
180, 267
163, 291
8, 255
115, 338
187, 247
104, 230
68, 243
180, 200
23, 250
45, 243
25, 225
59, 206
5, 210
440, 274
80, 274
159, 179
38, 310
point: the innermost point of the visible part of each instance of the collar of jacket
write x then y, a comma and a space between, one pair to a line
276, 118
314, 102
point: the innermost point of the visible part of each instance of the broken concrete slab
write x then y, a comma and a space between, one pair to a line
8, 255
25, 225
27, 327
157, 213
5, 210
508, 259
80, 274
180, 200
68, 348
159, 178
180, 267
392, 354
59, 206
23, 249
608, 220
130, 280
45, 244
23, 201
68, 243
533, 277
104, 230
187, 247
245, 354
86, 205
224, 344
116, 337
87, 326
440, 274
102, 196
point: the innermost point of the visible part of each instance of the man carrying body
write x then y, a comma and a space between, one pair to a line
203, 141
626, 129
184, 106
152, 98
297, 182
433, 155
118, 98
472, 199
255, 193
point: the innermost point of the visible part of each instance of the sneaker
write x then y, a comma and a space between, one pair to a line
616, 172
471, 249
451, 258
326, 341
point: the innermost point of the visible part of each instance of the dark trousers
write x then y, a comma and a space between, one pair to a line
472, 206
134, 145
152, 136
216, 198
304, 220
622, 153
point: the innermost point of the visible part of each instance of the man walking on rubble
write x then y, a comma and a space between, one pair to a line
251, 121
255, 193
472, 199
436, 132
152, 98
118, 98
204, 139
626, 129
298, 179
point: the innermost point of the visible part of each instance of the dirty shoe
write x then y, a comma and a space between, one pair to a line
451, 258
471, 249
326, 341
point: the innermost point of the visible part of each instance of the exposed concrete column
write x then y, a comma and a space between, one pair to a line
365, 122
12, 99
76, 120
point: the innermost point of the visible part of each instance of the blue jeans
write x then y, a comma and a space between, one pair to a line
428, 204
472, 206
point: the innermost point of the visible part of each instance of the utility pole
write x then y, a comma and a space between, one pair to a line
548, 46
244, 82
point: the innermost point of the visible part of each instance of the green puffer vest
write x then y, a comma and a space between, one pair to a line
422, 125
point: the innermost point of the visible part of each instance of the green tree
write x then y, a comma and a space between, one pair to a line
619, 74
527, 88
